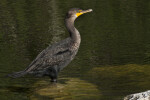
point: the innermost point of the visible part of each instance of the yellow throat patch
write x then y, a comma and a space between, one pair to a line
78, 14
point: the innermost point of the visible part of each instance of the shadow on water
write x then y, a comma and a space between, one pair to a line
18, 89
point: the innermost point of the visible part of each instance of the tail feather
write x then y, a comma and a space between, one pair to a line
17, 74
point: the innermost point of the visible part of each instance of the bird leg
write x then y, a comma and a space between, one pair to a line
52, 73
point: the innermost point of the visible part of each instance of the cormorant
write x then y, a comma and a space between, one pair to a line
54, 58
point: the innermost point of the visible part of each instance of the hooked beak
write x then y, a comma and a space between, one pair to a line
83, 12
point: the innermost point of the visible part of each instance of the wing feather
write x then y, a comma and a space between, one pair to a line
51, 56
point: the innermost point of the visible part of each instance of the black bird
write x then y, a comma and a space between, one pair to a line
54, 58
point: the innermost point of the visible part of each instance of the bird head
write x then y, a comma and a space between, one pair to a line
76, 12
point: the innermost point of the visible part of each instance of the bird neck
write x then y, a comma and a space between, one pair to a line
74, 33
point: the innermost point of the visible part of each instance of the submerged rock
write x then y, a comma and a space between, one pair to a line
71, 89
139, 96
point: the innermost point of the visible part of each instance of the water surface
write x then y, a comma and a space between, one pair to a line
113, 60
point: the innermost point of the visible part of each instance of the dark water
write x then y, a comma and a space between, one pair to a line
113, 60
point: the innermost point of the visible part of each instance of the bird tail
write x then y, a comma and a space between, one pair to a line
17, 74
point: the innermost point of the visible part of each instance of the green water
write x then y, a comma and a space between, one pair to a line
113, 60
